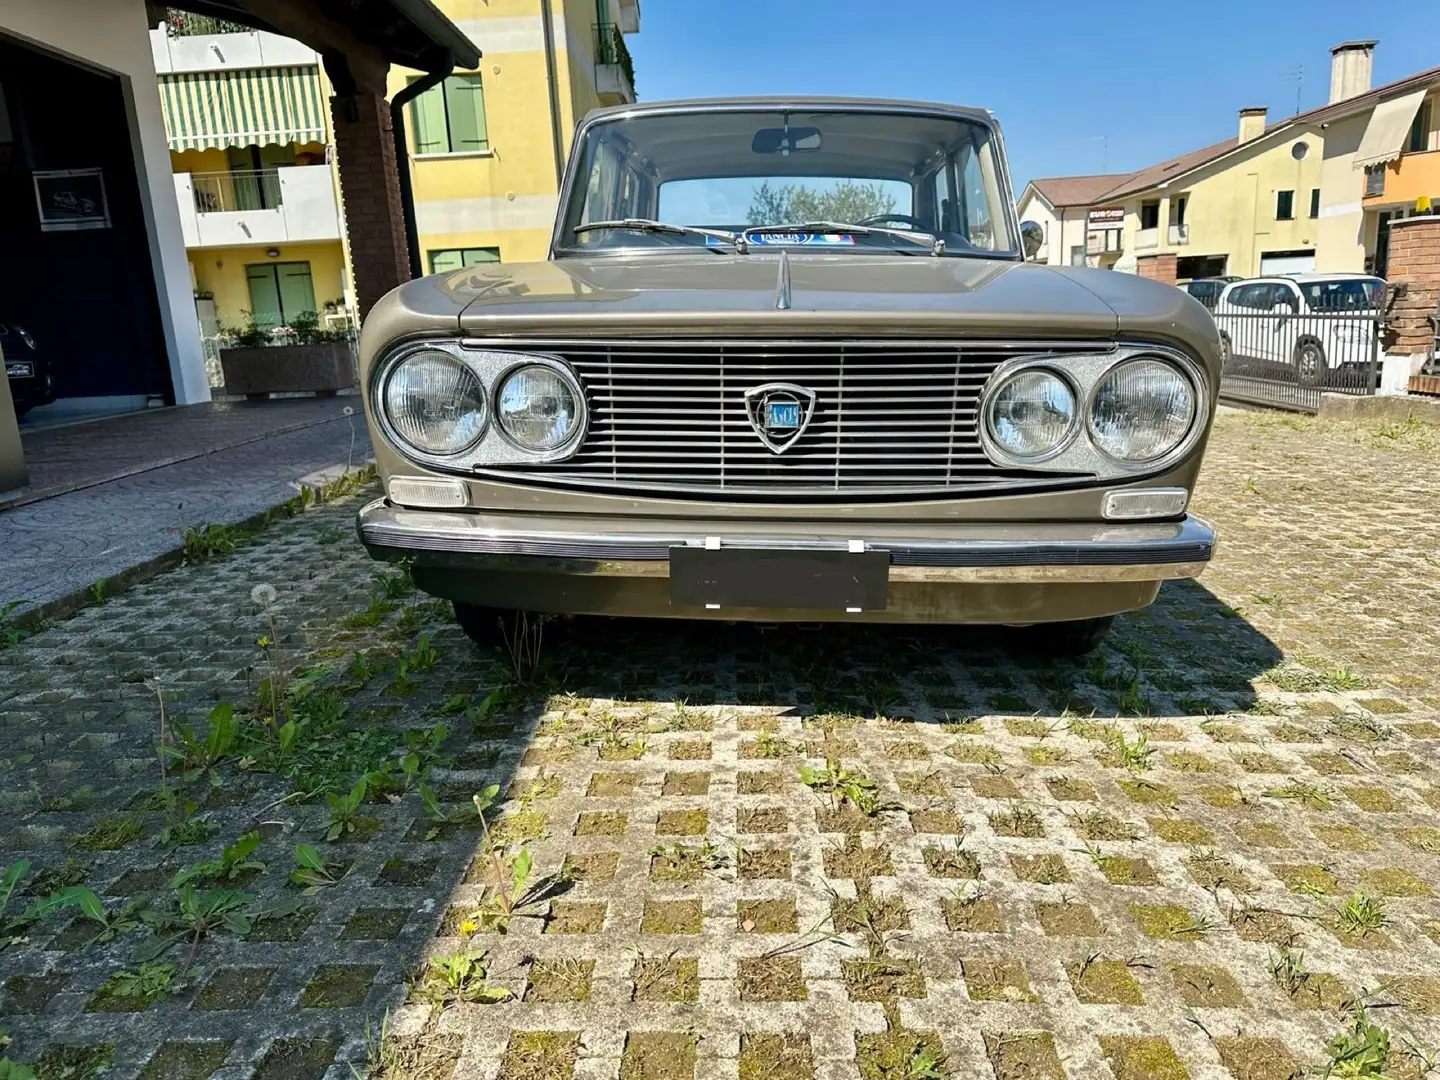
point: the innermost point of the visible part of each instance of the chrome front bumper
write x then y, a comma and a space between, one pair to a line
635, 548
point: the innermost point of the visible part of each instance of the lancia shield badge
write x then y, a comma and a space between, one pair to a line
779, 413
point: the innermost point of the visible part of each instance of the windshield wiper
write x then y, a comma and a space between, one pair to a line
647, 225
933, 242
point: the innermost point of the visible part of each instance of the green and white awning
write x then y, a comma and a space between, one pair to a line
248, 107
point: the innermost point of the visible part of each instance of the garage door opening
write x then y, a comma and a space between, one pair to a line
77, 267
1287, 262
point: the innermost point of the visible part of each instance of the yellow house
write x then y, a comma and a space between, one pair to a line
488, 145
1277, 198
248, 123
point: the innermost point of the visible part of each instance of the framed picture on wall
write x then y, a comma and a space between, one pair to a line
71, 199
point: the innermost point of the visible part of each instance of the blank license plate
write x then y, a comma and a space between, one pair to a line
766, 578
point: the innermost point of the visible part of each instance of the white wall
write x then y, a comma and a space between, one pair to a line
1340, 236
212, 52
308, 211
112, 35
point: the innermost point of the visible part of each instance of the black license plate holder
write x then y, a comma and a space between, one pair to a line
779, 578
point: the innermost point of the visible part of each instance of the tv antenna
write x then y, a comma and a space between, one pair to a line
1296, 74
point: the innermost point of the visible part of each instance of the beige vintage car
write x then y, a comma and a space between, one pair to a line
786, 361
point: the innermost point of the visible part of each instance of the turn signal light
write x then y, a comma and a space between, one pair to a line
1138, 503
423, 491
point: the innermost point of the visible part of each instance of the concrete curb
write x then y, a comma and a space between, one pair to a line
1379, 407
63, 607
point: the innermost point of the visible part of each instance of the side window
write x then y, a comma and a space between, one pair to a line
975, 226
1284, 295
1244, 296
944, 204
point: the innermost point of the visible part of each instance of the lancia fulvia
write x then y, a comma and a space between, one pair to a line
789, 360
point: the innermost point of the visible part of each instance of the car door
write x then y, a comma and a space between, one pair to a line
1284, 304
1239, 318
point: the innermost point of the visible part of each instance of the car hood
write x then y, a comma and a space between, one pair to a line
714, 293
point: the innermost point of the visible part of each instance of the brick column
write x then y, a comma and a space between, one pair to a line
1157, 267
370, 190
1414, 262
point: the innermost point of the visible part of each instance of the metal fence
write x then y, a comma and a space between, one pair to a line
1288, 360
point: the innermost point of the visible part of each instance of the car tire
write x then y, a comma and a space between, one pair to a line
1067, 639
486, 626
1310, 366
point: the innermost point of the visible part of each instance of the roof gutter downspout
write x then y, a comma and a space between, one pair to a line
437, 74
547, 28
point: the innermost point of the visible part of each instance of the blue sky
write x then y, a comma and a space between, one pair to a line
1078, 88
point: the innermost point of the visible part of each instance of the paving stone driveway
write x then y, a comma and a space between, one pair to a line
728, 852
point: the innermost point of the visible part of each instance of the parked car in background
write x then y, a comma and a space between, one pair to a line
1207, 290
1315, 324
31, 382
786, 362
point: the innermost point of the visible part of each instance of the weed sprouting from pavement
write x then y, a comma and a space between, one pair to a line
1360, 913
844, 787
1307, 795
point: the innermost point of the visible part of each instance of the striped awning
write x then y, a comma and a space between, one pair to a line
248, 107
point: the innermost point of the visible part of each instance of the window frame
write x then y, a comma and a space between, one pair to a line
1289, 195
1149, 204
445, 89
1314, 203
1417, 139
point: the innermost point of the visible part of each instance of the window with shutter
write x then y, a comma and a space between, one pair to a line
450, 118
465, 108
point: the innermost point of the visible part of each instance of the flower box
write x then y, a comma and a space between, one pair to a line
257, 370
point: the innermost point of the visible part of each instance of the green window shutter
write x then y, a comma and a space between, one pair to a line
481, 255
264, 296
465, 105
427, 117
297, 290
442, 262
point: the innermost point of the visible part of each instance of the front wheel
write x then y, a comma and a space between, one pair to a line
1310, 363
1079, 637
487, 626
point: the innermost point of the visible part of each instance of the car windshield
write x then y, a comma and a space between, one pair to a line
692, 178
1348, 294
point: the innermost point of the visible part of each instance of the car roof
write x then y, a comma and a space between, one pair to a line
1337, 275
781, 102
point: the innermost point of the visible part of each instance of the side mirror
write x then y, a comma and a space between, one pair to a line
1032, 236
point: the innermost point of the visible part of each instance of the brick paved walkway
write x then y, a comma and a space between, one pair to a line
68, 457
1179, 860
176, 468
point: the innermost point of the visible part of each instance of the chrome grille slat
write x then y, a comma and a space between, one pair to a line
892, 418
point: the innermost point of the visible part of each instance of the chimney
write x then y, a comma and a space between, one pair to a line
1350, 69
1252, 122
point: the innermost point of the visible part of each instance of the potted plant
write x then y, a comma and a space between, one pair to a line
301, 357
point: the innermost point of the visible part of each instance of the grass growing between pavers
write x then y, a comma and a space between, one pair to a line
721, 828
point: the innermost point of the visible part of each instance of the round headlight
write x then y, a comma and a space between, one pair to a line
435, 403
1032, 414
538, 407
1142, 410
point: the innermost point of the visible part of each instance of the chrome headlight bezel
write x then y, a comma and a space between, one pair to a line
986, 416
1079, 456
1139, 464
582, 412
491, 366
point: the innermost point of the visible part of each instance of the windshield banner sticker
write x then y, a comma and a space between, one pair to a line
811, 239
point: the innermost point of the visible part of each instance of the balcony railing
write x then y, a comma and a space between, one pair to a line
1103, 242
240, 189
610, 48
1179, 234
1147, 238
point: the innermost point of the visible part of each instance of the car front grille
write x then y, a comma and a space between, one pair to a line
891, 418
